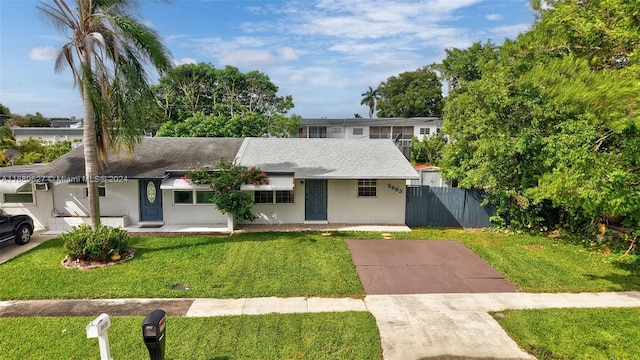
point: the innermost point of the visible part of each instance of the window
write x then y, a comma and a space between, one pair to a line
302, 132
102, 191
380, 132
202, 197
367, 187
358, 131
190, 197
273, 197
336, 130
317, 132
284, 196
263, 197
23, 195
183, 197
425, 131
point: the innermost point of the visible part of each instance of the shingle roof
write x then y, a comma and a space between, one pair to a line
152, 158
327, 158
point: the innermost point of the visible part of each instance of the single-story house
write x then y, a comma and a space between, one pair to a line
311, 180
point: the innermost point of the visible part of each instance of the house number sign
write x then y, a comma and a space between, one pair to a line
394, 188
151, 192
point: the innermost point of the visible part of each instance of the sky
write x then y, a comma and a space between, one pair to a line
324, 53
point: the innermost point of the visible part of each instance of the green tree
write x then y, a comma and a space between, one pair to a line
201, 92
37, 120
466, 64
369, 98
5, 114
6, 142
550, 129
411, 94
107, 53
428, 150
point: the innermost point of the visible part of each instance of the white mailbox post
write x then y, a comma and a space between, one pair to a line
98, 328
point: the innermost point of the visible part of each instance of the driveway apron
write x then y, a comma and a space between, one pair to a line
423, 267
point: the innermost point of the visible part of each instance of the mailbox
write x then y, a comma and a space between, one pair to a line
153, 333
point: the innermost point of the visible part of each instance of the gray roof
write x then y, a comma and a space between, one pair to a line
152, 158
327, 158
417, 121
19, 171
35, 131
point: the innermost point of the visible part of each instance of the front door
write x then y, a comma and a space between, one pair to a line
315, 200
150, 200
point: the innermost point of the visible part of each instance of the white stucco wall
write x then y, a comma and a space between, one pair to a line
282, 213
40, 210
121, 200
344, 206
196, 214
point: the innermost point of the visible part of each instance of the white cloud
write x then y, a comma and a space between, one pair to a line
288, 54
509, 31
183, 61
494, 17
43, 53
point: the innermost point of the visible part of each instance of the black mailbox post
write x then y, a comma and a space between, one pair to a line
153, 333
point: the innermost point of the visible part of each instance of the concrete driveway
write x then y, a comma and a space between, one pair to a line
10, 249
423, 267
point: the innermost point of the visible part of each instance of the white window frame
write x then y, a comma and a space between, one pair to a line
358, 131
425, 131
274, 197
364, 186
103, 187
10, 202
194, 198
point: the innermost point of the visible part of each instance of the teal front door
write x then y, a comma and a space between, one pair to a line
315, 200
150, 200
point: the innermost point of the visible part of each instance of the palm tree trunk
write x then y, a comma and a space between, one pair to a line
89, 139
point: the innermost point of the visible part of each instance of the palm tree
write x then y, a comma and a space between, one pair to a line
107, 52
369, 98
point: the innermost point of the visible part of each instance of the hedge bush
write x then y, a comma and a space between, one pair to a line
85, 244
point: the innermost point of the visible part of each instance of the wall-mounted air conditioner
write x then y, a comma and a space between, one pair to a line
41, 186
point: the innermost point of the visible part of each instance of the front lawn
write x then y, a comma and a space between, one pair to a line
575, 333
344, 335
300, 264
544, 264
245, 265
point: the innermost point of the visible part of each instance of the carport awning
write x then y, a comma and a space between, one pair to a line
14, 186
178, 183
276, 182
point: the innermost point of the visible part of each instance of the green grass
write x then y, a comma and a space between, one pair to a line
300, 264
345, 335
543, 264
245, 265
575, 333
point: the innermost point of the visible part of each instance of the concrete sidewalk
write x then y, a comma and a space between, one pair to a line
425, 326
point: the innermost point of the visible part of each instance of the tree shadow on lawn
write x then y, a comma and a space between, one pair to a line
620, 282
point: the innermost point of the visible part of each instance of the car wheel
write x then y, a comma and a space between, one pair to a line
23, 234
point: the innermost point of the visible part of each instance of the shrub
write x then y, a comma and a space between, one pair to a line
226, 185
85, 244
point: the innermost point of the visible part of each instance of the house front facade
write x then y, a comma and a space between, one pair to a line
350, 181
318, 180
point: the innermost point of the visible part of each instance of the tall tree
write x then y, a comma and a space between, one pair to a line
222, 102
551, 127
466, 64
411, 94
369, 98
107, 53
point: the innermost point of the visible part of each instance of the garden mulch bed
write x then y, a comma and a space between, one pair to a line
81, 264
423, 267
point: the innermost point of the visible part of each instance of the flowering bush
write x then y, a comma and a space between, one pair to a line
225, 183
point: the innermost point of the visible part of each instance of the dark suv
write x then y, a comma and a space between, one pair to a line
15, 227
